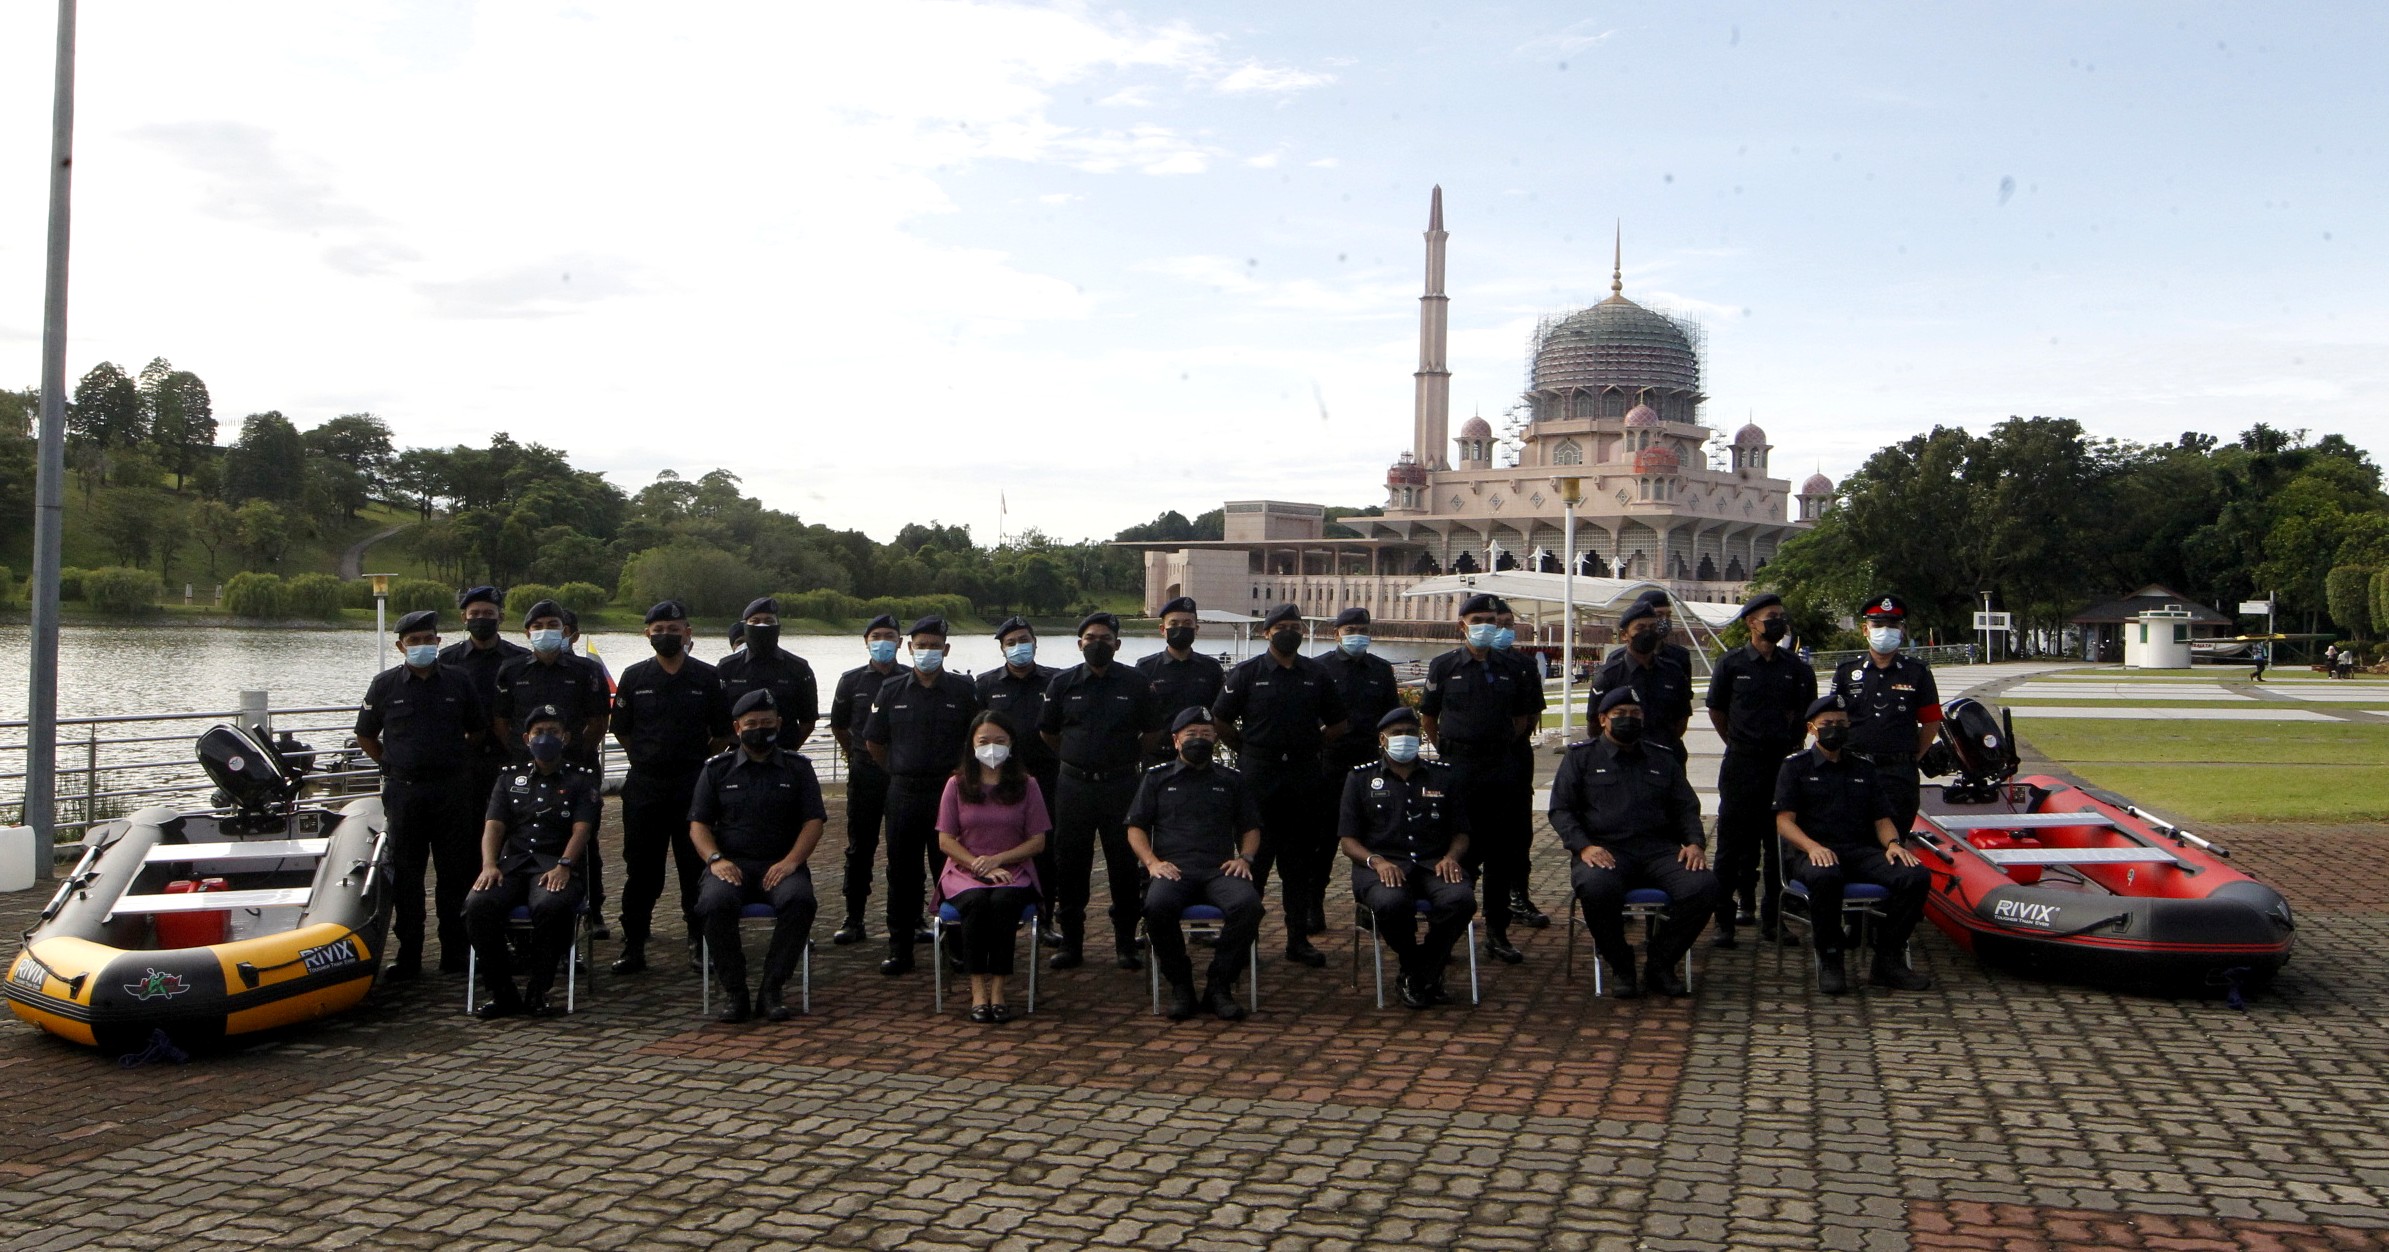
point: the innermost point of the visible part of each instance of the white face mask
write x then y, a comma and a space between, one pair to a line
1401, 749
1884, 639
993, 755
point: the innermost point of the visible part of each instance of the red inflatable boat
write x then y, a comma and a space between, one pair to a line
2077, 882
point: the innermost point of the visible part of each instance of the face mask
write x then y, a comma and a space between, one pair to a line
763, 640
547, 747
1484, 635
758, 737
1626, 730
1884, 639
423, 655
1021, 654
1402, 749
482, 628
993, 755
930, 660
1831, 738
1644, 643
1286, 642
1354, 645
1099, 652
1179, 637
666, 645
1196, 751
882, 650
1504, 637
1773, 631
547, 641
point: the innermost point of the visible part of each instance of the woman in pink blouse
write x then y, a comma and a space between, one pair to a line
990, 825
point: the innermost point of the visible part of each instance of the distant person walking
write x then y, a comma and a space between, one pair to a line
2263, 652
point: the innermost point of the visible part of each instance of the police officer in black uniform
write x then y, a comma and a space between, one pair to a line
1182, 678
422, 722
670, 715
1757, 696
764, 664
919, 731
1628, 816
1895, 707
1195, 827
1836, 812
1096, 718
1278, 711
866, 782
1669, 650
755, 819
1665, 689
1402, 828
1475, 706
551, 673
480, 655
1017, 689
1522, 806
1366, 684
540, 818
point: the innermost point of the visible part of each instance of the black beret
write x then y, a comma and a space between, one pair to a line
545, 608
1764, 599
1635, 612
544, 713
1481, 602
1653, 595
1616, 696
667, 611
930, 625
759, 698
571, 620
738, 631
1352, 617
881, 622
1886, 606
1282, 613
1111, 620
1824, 704
421, 619
479, 595
1399, 715
1183, 604
1191, 715
1501, 606
1011, 624
764, 604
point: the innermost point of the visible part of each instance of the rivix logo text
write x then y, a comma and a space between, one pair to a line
2024, 913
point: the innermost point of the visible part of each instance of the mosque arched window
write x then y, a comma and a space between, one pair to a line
1569, 452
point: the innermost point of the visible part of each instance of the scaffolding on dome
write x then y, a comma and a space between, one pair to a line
1595, 359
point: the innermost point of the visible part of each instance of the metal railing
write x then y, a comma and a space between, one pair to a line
1934, 654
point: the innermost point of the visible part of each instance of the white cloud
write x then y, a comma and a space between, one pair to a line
1265, 161
1323, 163
1569, 40
1060, 197
1252, 77
1138, 97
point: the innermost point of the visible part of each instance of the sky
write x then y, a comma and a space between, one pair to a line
909, 260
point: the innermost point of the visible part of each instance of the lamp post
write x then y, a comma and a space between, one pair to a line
1571, 491
381, 610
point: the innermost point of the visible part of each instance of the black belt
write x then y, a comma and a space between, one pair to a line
919, 780
1101, 775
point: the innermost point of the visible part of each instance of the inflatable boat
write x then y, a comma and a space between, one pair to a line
2079, 883
213, 925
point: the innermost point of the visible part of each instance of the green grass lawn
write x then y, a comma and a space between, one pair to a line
2252, 793
2228, 771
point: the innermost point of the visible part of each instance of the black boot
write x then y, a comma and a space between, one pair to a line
1182, 1001
1663, 979
1832, 979
503, 1002
634, 957
1890, 973
1298, 948
1524, 912
1497, 943
1625, 984
851, 930
1725, 934
1070, 953
739, 1008
899, 957
770, 1007
1222, 1002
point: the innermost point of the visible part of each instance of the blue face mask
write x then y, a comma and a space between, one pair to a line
546, 747
1021, 654
423, 655
882, 650
1402, 749
929, 661
1484, 635
1884, 639
1355, 645
1504, 637
547, 641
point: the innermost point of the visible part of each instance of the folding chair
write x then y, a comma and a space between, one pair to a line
1202, 921
948, 917
519, 922
1647, 905
1862, 907
1364, 920
753, 913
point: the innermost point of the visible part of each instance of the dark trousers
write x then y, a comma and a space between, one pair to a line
486, 914
1899, 780
1049, 784
1092, 814
1826, 885
1692, 895
434, 822
655, 807
913, 856
866, 806
1498, 796
1395, 910
1297, 836
990, 925
1165, 899
592, 865
1749, 856
718, 905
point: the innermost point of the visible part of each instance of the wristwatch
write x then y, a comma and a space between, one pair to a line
564, 862
711, 857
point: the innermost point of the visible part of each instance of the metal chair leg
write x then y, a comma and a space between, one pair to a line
1475, 997
1036, 922
705, 973
1376, 959
808, 976
937, 958
472, 974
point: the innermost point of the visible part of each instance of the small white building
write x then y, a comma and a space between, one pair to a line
2158, 639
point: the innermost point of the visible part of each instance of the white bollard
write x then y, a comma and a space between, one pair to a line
253, 712
17, 844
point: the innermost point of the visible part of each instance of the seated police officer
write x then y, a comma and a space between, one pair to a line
1404, 830
538, 824
1195, 827
755, 819
1836, 813
1629, 817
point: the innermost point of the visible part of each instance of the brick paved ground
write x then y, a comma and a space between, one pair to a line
1992, 1112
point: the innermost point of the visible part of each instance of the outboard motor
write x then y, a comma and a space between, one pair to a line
1977, 745
250, 776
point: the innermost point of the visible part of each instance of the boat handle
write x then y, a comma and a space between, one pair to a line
2177, 833
372, 863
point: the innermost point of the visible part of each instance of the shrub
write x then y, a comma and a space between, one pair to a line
520, 599
116, 589
70, 583
255, 596
583, 597
357, 593
411, 595
317, 596
711, 582
8, 585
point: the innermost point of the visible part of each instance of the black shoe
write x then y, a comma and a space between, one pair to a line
1069, 957
737, 1010
984, 1014
696, 956
1499, 946
633, 959
1744, 917
1127, 958
1725, 938
535, 1004
1300, 949
1900, 977
1050, 936
770, 1007
1524, 912
1314, 920
1665, 981
402, 971
1222, 1003
1832, 979
1182, 1001
922, 935
597, 929
899, 962
1413, 992
999, 1012
1436, 993
503, 1006
1624, 983
850, 932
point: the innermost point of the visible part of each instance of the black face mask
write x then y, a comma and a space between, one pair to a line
1644, 643
1773, 631
1626, 730
763, 640
482, 628
1179, 637
1196, 751
666, 645
1831, 738
1286, 642
758, 737
1099, 652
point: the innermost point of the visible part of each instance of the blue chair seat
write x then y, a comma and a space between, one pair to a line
1646, 895
1850, 891
1202, 913
756, 912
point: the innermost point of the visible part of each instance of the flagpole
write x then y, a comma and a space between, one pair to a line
49, 510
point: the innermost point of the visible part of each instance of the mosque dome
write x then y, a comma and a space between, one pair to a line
1616, 343
1817, 485
1659, 458
1476, 428
1750, 436
1642, 415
